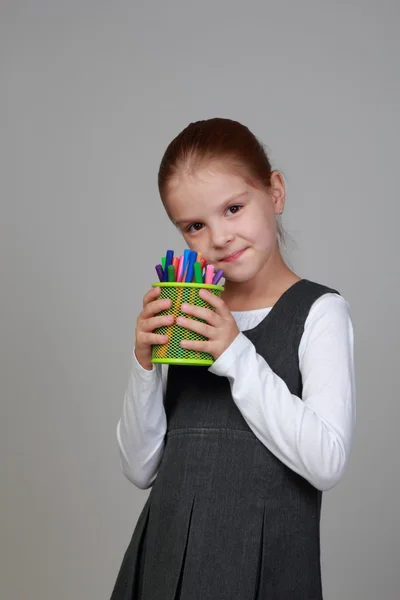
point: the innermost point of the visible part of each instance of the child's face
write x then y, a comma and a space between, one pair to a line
220, 214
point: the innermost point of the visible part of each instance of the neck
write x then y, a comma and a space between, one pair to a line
264, 289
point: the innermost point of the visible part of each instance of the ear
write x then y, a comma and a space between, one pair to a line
278, 192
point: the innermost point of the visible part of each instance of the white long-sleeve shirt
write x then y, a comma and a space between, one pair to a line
311, 435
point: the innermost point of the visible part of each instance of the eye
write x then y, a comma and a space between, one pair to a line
189, 229
237, 208
198, 226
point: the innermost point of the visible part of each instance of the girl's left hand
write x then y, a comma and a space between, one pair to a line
220, 327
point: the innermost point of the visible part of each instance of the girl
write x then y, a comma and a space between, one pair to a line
238, 454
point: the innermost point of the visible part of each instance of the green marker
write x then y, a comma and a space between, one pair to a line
198, 275
163, 259
171, 273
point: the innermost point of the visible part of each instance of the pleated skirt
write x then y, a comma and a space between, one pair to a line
221, 522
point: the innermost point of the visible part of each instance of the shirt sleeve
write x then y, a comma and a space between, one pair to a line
142, 426
312, 435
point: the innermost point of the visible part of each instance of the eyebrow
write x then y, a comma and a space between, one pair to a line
225, 203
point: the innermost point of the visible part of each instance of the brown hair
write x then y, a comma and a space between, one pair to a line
218, 139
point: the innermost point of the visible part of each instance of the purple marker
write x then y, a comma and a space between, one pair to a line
160, 272
217, 276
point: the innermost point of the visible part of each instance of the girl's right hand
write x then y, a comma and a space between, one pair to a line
147, 322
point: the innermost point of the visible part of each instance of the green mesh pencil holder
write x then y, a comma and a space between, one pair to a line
172, 352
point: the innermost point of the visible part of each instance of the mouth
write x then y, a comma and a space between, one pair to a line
233, 257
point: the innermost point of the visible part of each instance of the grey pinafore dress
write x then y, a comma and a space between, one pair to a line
225, 519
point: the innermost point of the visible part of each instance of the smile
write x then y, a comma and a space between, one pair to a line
233, 257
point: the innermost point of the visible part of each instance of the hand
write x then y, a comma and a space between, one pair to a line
220, 328
147, 322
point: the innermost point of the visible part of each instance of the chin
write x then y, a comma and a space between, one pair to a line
239, 277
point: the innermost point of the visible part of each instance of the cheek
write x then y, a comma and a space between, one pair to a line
198, 245
263, 232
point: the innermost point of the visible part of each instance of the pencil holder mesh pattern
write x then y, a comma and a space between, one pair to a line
172, 352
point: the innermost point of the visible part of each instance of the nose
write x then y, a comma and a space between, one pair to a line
220, 237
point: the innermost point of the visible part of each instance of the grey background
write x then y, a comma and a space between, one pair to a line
91, 94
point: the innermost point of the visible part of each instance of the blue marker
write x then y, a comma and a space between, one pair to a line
186, 254
168, 261
191, 261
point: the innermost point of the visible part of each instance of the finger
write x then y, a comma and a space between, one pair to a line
215, 301
201, 313
149, 339
198, 345
155, 322
156, 306
201, 328
151, 295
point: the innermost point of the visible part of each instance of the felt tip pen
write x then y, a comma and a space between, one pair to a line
171, 273
186, 254
180, 270
189, 274
168, 261
209, 274
160, 272
217, 276
198, 275
169, 258
175, 262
